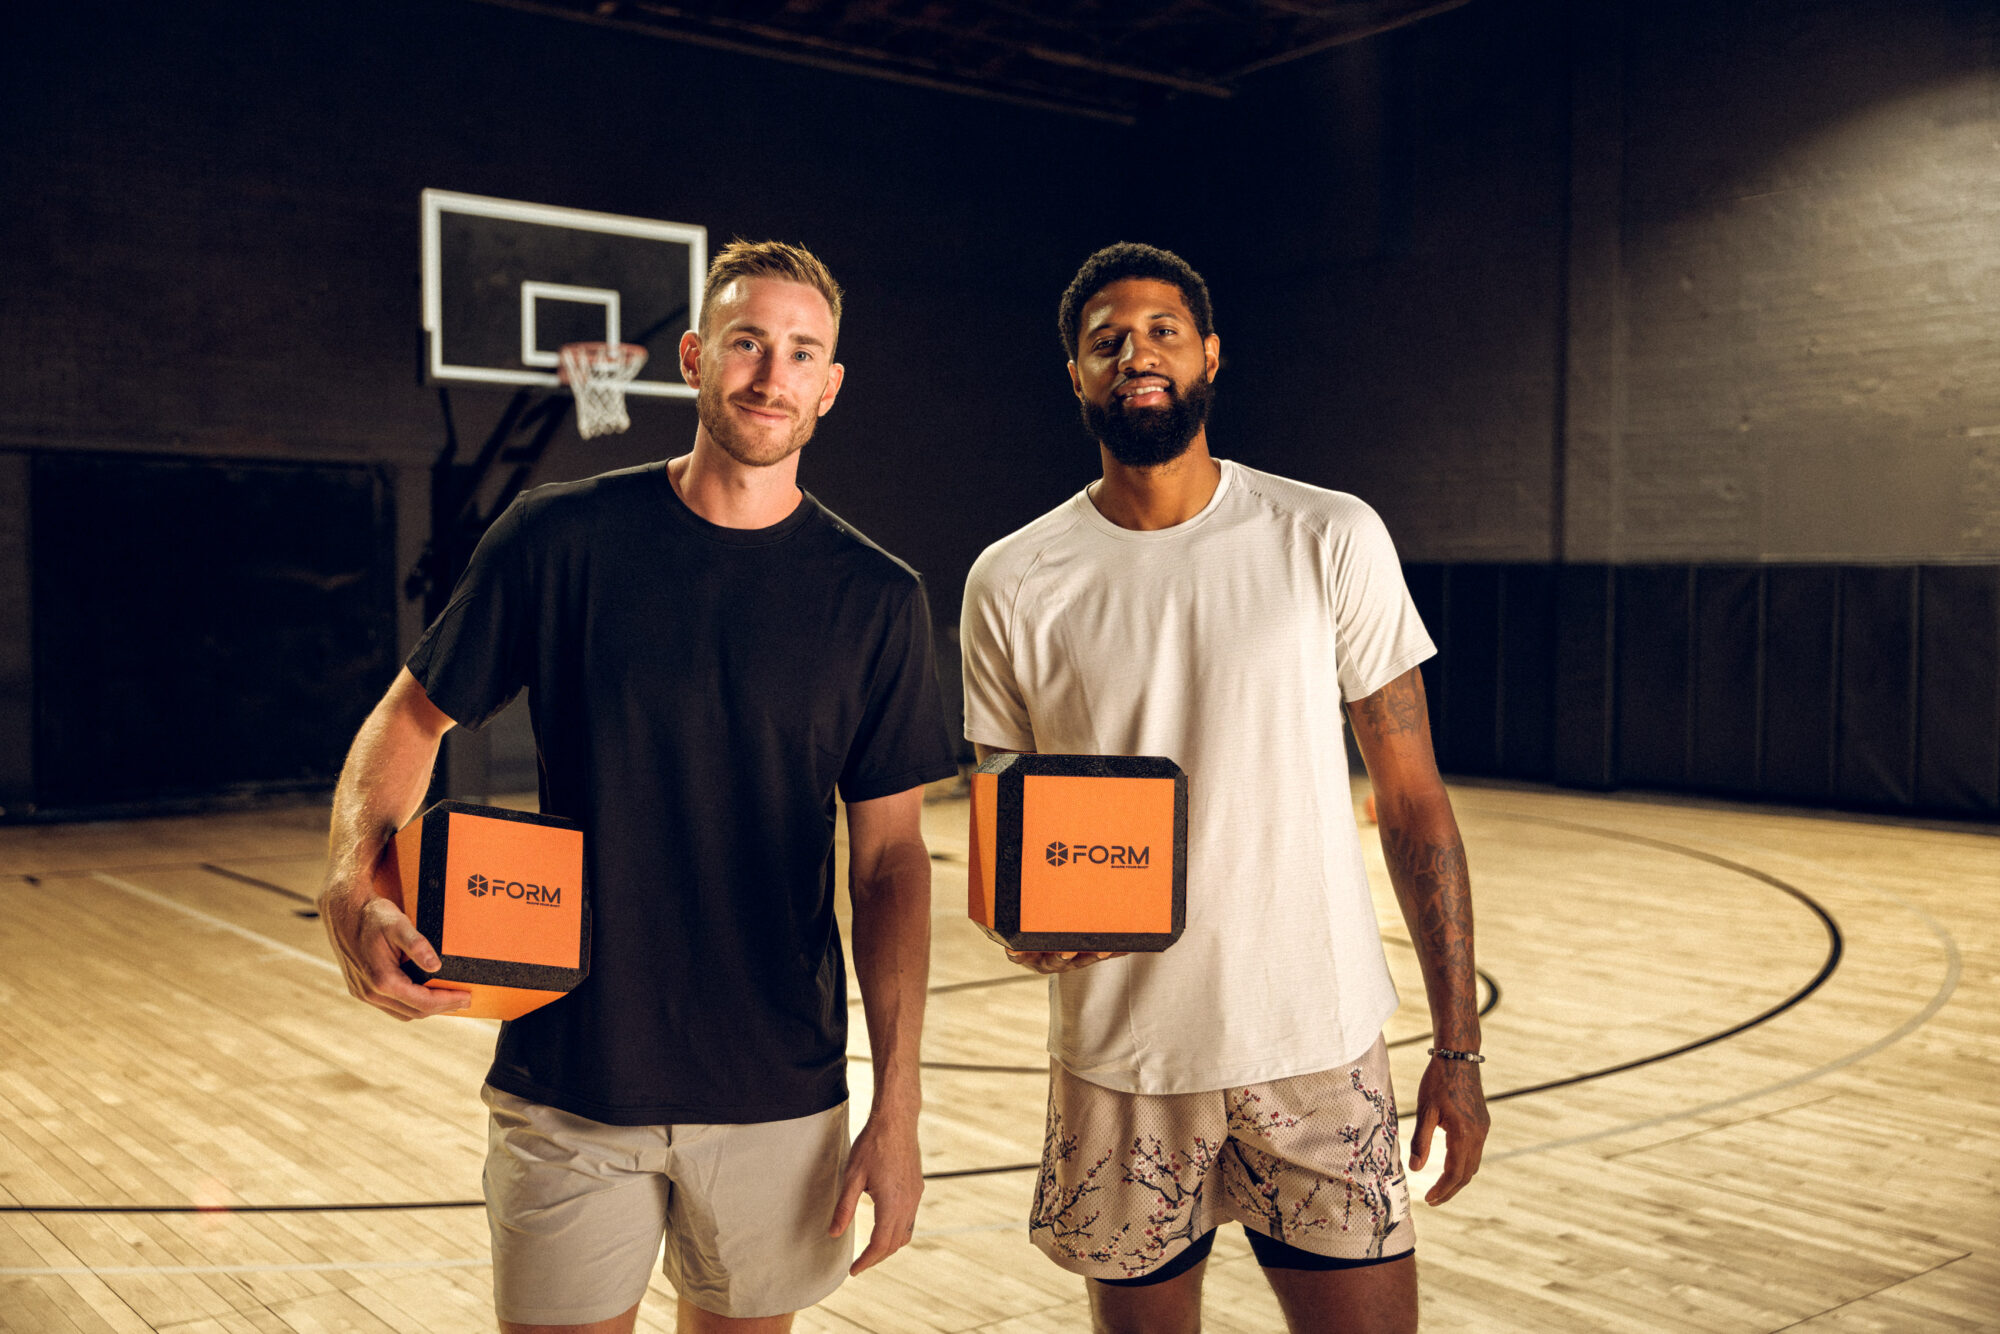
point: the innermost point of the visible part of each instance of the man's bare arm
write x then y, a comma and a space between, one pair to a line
1045, 961
387, 770
889, 880
1426, 858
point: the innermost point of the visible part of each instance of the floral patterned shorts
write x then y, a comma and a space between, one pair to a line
1130, 1180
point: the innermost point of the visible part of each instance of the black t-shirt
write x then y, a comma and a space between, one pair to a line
697, 693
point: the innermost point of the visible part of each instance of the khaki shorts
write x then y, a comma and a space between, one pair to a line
1130, 1180
578, 1209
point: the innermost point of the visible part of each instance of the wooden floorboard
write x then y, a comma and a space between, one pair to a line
177, 1037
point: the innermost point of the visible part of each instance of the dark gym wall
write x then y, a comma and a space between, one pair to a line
1807, 348
1560, 286
210, 256
217, 249
1625, 280
1666, 338
1385, 233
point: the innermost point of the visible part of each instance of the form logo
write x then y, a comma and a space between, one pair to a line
541, 896
1115, 856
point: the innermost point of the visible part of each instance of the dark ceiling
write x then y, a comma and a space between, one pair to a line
1092, 59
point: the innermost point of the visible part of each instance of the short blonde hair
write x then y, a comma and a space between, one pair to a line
770, 259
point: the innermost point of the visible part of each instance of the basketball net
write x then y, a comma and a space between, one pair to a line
597, 374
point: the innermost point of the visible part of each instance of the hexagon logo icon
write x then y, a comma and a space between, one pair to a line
476, 886
1058, 854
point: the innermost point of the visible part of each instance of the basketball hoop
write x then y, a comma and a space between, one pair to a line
597, 374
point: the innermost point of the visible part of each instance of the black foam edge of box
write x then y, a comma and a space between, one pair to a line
1126, 942
429, 888
453, 806
1018, 764
498, 973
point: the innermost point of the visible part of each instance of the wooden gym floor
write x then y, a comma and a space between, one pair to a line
200, 1133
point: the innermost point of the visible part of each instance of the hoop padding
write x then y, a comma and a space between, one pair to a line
597, 374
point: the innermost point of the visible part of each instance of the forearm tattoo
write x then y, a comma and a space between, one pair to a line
1430, 878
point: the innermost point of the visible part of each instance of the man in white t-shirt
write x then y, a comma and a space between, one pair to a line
1223, 617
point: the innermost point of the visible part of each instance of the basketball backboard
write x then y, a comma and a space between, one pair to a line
506, 284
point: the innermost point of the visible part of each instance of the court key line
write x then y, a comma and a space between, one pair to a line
1835, 945
1954, 968
1835, 950
1491, 1003
1832, 961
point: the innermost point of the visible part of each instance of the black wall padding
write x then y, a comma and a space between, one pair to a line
1527, 670
1876, 755
204, 628
1801, 611
1727, 723
1426, 584
1585, 745
1472, 688
1958, 688
1860, 686
1652, 690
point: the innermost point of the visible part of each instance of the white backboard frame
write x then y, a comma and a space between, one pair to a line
436, 203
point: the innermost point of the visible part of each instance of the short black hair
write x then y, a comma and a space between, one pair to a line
1130, 259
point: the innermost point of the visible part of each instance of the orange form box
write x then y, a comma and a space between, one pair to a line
501, 897
1079, 852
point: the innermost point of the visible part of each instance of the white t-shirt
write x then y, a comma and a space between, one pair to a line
1228, 644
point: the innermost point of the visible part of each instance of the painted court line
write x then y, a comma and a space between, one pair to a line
1947, 984
357, 1266
127, 887
322, 1267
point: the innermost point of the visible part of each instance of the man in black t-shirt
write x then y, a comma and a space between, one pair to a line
709, 656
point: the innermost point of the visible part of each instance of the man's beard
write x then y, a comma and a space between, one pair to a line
753, 451
1148, 437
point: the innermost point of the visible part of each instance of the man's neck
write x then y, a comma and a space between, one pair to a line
1148, 499
730, 494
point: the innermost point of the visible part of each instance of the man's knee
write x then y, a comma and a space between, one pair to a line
1166, 1301
1370, 1299
692, 1319
618, 1324
1174, 1307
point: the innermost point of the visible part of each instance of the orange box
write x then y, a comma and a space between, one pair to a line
500, 895
1079, 852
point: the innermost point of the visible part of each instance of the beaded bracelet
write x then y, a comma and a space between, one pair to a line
1445, 1053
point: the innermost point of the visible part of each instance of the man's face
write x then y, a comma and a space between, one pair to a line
1143, 373
762, 368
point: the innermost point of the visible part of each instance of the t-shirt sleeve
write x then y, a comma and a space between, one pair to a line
473, 659
1381, 635
996, 713
902, 742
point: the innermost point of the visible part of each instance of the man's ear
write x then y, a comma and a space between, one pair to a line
835, 375
690, 351
1211, 348
1076, 381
